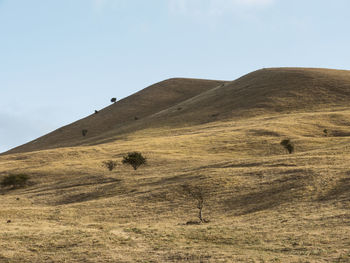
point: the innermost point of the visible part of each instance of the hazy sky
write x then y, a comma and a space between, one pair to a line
62, 59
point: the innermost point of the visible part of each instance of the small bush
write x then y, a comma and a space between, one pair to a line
288, 145
84, 132
14, 180
110, 164
135, 159
113, 100
285, 142
325, 132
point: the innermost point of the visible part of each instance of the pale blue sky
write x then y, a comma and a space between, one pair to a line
62, 59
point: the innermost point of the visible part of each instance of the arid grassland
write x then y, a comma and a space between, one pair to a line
262, 203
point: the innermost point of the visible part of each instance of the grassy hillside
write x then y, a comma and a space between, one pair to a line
264, 205
124, 113
184, 102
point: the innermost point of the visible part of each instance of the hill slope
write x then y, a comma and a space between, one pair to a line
178, 102
263, 204
144, 103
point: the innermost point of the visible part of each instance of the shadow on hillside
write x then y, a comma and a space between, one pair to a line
4, 260
341, 190
337, 133
166, 181
244, 165
102, 191
270, 195
77, 189
262, 132
230, 165
69, 184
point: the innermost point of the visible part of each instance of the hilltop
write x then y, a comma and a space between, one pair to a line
180, 102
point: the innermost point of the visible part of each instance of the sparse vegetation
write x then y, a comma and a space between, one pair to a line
14, 180
113, 100
325, 132
196, 193
84, 132
288, 145
135, 159
265, 207
110, 164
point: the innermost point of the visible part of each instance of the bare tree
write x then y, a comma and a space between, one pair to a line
196, 193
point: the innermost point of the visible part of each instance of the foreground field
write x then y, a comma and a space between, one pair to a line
263, 204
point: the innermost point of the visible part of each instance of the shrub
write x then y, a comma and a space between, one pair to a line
288, 145
110, 164
14, 180
113, 100
325, 132
84, 132
135, 159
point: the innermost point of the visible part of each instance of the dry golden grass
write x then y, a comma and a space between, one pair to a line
264, 205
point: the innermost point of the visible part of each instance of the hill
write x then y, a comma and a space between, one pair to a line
120, 115
263, 204
179, 102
